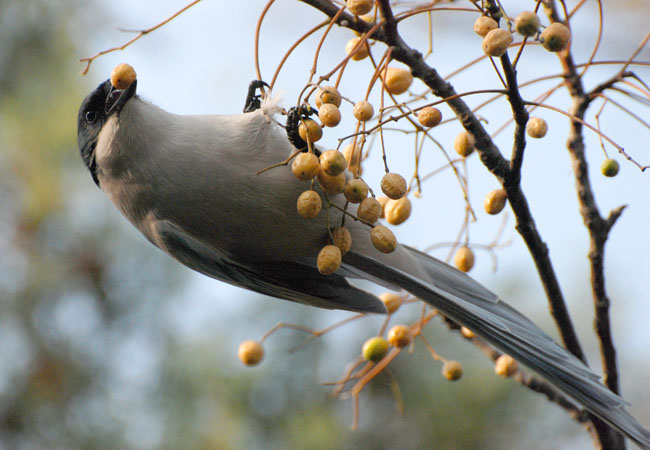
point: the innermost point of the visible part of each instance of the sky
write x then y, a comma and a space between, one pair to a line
203, 61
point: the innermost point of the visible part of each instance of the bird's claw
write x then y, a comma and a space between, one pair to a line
294, 116
253, 100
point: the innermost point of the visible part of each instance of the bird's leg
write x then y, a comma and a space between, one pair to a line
294, 116
253, 100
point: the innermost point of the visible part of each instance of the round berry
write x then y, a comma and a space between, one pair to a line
506, 366
397, 211
250, 352
374, 349
452, 370
393, 185
329, 259
360, 53
333, 162
536, 127
328, 94
495, 201
609, 168
363, 111
342, 238
496, 42
369, 210
305, 166
463, 144
383, 239
309, 204
329, 115
383, 201
429, 116
391, 301
399, 336
555, 37
351, 156
467, 333
331, 185
484, 24
464, 259
398, 80
527, 23
309, 127
355, 190
122, 76
360, 7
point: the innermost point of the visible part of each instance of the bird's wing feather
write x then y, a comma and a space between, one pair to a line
511, 332
286, 280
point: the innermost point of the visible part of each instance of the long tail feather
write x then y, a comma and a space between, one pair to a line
514, 334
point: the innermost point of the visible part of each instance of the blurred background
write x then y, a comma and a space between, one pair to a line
107, 343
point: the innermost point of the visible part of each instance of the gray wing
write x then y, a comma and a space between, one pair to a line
286, 280
508, 330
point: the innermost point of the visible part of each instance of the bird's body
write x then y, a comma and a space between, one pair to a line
190, 185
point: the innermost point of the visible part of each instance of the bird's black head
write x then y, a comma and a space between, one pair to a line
95, 110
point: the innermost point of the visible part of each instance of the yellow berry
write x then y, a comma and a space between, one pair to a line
328, 94
383, 201
555, 37
309, 204
342, 238
360, 53
397, 211
305, 166
429, 116
496, 42
464, 259
369, 210
355, 190
348, 152
331, 185
527, 23
311, 128
250, 352
463, 144
374, 349
391, 301
398, 80
484, 25
393, 185
363, 111
329, 115
383, 239
467, 333
609, 168
353, 158
536, 127
452, 370
400, 336
495, 201
506, 366
333, 162
329, 259
122, 76
360, 7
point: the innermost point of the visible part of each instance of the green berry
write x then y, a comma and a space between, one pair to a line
609, 167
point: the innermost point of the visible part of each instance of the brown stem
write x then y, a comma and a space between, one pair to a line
598, 228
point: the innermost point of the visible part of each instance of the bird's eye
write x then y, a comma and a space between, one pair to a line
91, 116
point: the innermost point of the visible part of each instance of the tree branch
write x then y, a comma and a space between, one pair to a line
597, 227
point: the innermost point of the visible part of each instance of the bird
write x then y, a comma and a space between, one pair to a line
195, 187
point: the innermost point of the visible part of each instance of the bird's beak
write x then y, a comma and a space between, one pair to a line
117, 98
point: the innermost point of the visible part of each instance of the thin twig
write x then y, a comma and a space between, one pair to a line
89, 60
